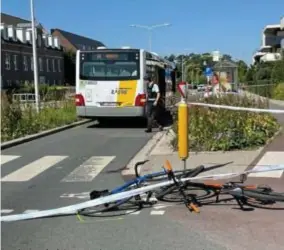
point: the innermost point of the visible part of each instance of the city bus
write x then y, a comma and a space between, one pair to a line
109, 82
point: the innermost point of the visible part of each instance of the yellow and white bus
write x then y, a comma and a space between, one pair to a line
109, 82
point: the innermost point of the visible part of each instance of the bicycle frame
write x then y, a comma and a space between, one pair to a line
137, 181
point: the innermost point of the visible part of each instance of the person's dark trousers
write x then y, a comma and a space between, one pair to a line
152, 115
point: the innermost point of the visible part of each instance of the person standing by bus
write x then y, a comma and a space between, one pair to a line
152, 102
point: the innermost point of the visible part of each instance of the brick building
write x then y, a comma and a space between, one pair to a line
17, 56
73, 42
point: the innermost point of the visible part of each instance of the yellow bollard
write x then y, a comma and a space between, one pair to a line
183, 130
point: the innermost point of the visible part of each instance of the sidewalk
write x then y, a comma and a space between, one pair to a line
237, 160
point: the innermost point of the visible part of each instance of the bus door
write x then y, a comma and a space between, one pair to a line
162, 85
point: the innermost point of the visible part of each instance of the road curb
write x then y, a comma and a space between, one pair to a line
142, 155
264, 148
32, 137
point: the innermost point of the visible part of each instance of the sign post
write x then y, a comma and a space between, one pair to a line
35, 56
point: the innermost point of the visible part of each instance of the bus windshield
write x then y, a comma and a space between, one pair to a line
109, 66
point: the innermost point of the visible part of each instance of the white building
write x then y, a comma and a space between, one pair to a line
271, 44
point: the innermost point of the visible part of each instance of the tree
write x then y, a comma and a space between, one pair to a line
242, 71
70, 67
277, 73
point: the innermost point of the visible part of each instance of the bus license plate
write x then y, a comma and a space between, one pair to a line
109, 104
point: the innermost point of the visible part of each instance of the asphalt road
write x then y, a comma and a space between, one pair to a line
71, 176
59, 177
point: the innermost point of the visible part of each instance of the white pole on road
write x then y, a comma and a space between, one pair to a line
34, 56
150, 29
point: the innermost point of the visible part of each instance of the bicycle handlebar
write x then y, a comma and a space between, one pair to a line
137, 164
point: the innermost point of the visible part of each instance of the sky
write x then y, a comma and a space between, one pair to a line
232, 27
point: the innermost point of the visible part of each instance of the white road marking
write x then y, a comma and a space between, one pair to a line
6, 211
161, 206
30, 211
130, 212
33, 169
7, 158
83, 195
89, 169
269, 159
161, 212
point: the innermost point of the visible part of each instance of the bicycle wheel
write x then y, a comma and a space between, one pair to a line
179, 174
198, 190
112, 206
263, 195
175, 196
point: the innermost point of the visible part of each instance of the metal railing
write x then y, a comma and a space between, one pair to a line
24, 98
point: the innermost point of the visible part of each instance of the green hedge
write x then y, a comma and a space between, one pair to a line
278, 92
18, 121
212, 129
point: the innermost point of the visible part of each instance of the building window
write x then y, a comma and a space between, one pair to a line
47, 64
15, 61
59, 65
7, 61
32, 63
53, 65
39, 40
25, 63
9, 83
40, 64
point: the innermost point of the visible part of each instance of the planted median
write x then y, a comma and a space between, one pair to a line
213, 129
18, 120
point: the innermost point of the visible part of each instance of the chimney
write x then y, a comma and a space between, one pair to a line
12, 33
4, 32
21, 35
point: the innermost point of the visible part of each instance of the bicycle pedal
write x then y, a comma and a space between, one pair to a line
96, 194
193, 207
137, 198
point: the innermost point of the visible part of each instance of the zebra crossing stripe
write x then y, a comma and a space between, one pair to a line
33, 169
161, 212
30, 211
89, 169
6, 211
7, 158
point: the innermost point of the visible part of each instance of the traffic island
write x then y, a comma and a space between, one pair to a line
218, 136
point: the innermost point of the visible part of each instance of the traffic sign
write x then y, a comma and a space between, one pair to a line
182, 88
208, 71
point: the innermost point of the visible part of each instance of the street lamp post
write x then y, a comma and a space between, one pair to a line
34, 56
150, 29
